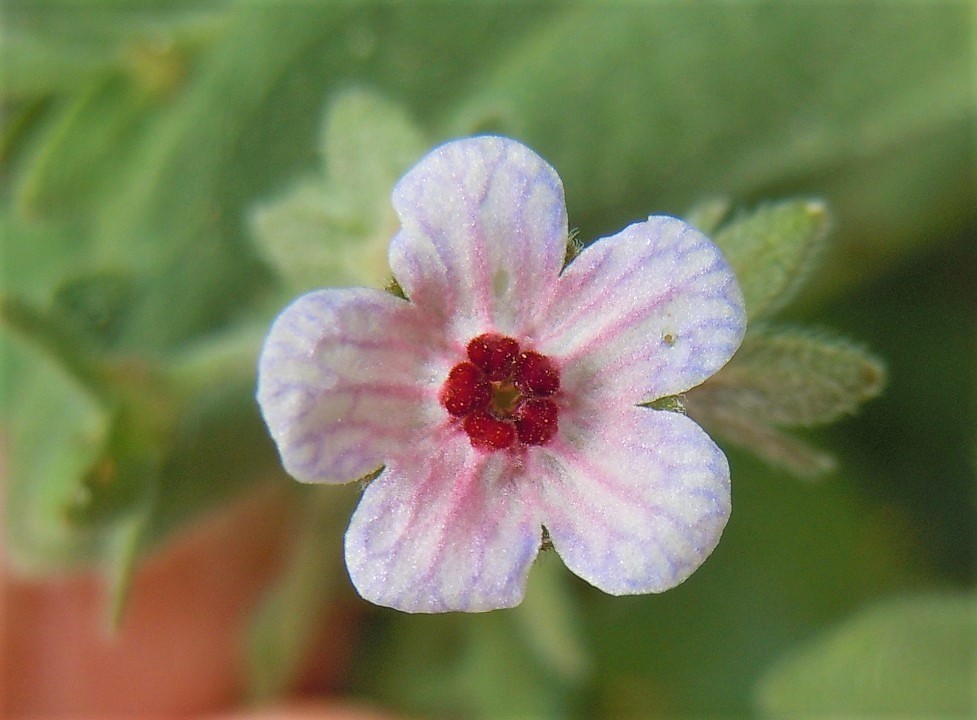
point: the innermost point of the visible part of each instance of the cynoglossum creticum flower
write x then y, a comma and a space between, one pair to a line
503, 396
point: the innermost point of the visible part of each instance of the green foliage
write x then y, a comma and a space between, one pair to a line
785, 378
779, 378
651, 108
278, 639
530, 661
772, 250
911, 657
333, 229
148, 145
794, 558
58, 431
792, 377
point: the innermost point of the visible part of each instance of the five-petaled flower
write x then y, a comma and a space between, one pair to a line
506, 398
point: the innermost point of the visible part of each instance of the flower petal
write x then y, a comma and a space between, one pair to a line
342, 382
634, 503
484, 234
443, 529
651, 311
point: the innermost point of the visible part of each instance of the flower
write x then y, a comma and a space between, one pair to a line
502, 400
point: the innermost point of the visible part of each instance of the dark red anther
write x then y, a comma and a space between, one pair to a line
489, 433
466, 389
502, 395
536, 374
494, 354
536, 421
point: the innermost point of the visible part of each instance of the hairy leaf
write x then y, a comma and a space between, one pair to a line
772, 250
792, 377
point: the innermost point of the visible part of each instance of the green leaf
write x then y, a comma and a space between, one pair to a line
81, 149
368, 143
479, 665
647, 107
792, 377
549, 620
38, 255
170, 218
312, 239
909, 657
785, 378
58, 433
219, 446
772, 250
95, 305
334, 229
280, 632
707, 215
54, 46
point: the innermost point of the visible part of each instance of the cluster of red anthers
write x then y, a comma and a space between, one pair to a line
503, 395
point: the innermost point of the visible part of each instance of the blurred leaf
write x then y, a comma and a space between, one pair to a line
38, 255
707, 215
219, 445
911, 657
462, 665
551, 626
52, 45
772, 250
58, 431
80, 149
246, 120
334, 229
120, 558
751, 100
368, 143
279, 636
793, 559
913, 442
167, 219
95, 305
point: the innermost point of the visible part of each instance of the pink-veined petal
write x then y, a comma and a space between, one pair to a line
443, 528
483, 238
634, 500
343, 382
651, 311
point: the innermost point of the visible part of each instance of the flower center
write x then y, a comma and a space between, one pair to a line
503, 394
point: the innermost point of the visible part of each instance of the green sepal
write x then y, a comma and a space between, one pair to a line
670, 403
907, 657
772, 250
334, 228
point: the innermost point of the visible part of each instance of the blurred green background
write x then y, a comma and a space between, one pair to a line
150, 149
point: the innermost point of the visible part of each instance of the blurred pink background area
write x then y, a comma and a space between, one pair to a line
179, 651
